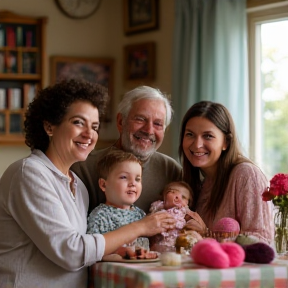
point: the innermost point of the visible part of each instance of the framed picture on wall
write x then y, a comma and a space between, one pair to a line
97, 70
139, 62
140, 16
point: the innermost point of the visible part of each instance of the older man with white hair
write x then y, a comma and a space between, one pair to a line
142, 118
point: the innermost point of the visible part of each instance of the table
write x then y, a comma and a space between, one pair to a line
153, 275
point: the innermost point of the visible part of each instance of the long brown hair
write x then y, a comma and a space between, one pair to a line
221, 118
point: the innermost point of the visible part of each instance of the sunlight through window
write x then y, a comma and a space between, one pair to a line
274, 97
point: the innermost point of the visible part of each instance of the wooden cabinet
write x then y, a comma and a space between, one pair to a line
22, 52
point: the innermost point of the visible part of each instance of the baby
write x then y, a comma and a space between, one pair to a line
177, 197
120, 179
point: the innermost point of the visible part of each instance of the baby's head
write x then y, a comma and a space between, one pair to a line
177, 194
120, 175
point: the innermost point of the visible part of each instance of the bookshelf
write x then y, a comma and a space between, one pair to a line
22, 52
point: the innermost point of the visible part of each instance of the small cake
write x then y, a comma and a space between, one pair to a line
170, 259
186, 240
226, 230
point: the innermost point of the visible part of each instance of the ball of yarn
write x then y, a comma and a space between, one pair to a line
259, 253
246, 239
210, 253
226, 224
235, 253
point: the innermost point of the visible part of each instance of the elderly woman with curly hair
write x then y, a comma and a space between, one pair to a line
43, 204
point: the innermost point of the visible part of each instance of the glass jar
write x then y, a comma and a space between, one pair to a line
281, 230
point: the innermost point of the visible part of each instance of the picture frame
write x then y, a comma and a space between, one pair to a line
139, 62
140, 16
96, 70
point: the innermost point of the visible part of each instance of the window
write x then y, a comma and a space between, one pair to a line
268, 89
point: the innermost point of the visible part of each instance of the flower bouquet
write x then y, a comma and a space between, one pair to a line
278, 193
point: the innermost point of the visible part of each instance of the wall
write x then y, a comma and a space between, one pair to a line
100, 35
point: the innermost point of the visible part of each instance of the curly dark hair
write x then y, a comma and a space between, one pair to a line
51, 105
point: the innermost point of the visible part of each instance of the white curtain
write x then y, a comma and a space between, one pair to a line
210, 61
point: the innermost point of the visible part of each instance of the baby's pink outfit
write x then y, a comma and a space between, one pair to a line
168, 238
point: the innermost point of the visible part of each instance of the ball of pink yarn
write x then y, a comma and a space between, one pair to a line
208, 252
235, 253
226, 224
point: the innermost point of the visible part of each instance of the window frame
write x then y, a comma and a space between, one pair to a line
256, 17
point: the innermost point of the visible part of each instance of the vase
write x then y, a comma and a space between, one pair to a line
281, 230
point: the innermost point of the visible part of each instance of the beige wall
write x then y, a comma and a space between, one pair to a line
100, 35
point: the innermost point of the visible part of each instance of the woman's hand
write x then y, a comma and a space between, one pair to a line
196, 223
156, 223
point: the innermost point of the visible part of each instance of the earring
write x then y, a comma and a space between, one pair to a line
50, 134
49, 130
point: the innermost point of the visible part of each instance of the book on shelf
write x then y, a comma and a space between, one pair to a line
29, 92
14, 98
29, 62
10, 36
2, 122
2, 35
15, 123
29, 38
19, 36
3, 103
2, 62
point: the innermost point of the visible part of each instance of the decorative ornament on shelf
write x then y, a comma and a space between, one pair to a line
278, 193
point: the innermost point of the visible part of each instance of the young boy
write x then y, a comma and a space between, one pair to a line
120, 179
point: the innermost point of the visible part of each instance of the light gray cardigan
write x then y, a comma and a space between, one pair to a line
43, 239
